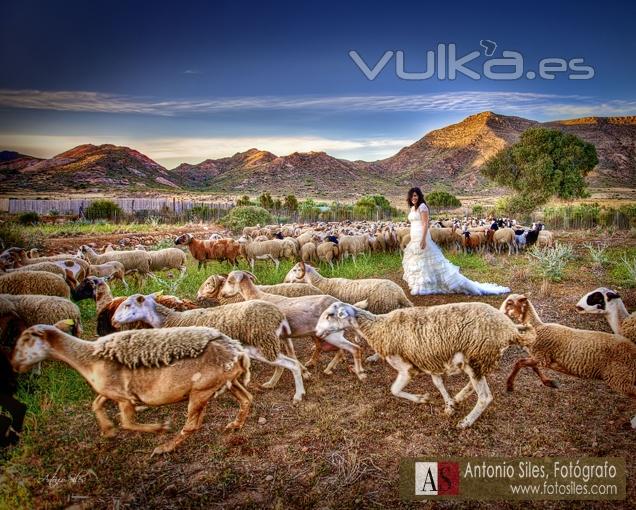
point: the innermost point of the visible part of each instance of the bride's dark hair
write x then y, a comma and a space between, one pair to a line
420, 197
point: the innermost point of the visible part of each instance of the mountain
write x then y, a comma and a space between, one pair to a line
88, 167
451, 155
454, 154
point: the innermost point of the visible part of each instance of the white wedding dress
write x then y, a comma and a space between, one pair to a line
429, 272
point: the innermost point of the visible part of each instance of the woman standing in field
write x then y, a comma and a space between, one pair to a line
426, 270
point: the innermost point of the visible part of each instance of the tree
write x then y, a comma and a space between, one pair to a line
291, 203
266, 201
103, 210
278, 205
243, 201
246, 216
544, 163
442, 199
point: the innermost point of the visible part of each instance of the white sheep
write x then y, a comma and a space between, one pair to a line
112, 270
436, 340
34, 282
134, 260
382, 295
151, 367
168, 258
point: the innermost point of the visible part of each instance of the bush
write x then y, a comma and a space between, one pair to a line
291, 203
103, 210
478, 211
243, 201
266, 201
442, 199
246, 216
552, 261
29, 218
12, 234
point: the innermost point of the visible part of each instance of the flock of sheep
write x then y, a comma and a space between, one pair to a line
158, 349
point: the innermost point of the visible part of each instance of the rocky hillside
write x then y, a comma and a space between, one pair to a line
452, 155
88, 167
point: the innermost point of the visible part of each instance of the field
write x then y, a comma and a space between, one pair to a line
339, 448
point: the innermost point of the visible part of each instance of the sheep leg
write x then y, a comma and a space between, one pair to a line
105, 423
404, 376
278, 371
284, 362
332, 364
439, 384
315, 354
464, 393
484, 398
244, 398
532, 363
291, 352
196, 410
341, 342
128, 421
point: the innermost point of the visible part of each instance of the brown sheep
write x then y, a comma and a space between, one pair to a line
205, 250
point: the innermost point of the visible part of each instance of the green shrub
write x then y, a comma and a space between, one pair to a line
442, 199
478, 211
29, 218
246, 216
552, 261
243, 201
291, 203
12, 234
266, 201
103, 210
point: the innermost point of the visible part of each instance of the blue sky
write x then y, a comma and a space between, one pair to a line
190, 80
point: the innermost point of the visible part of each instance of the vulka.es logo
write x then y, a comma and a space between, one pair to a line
436, 478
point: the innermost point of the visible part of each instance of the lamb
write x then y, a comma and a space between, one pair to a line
256, 324
210, 290
18, 312
274, 250
168, 258
581, 353
34, 282
382, 295
301, 313
327, 252
308, 253
152, 367
97, 289
113, 270
437, 340
134, 260
204, 250
607, 302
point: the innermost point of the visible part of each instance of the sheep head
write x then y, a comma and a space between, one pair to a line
138, 308
232, 285
87, 288
184, 239
338, 317
33, 346
210, 288
297, 274
598, 301
516, 307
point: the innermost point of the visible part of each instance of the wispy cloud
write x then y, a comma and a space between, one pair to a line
192, 71
546, 105
172, 151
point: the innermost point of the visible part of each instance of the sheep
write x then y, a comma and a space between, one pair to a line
34, 282
18, 312
256, 324
134, 260
382, 295
113, 270
62, 260
274, 250
353, 245
168, 258
502, 236
441, 236
57, 268
210, 290
204, 250
308, 253
97, 289
148, 367
437, 340
327, 252
608, 302
581, 353
302, 313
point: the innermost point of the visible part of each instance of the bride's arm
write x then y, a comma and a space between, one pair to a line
424, 217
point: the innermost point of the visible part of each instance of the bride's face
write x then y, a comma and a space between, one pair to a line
414, 198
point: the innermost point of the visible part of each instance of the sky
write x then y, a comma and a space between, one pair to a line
186, 81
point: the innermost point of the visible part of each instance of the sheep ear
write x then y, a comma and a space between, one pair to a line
251, 276
523, 299
140, 299
612, 295
157, 294
362, 304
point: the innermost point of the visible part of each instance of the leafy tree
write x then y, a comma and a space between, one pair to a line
29, 218
291, 203
309, 209
442, 199
478, 210
278, 205
266, 201
246, 216
544, 163
243, 201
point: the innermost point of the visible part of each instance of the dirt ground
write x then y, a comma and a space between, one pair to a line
341, 447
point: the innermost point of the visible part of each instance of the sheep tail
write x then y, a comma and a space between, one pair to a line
244, 361
283, 329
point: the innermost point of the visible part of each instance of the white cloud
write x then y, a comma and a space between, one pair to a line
549, 105
172, 151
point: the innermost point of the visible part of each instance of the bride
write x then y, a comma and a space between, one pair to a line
426, 270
